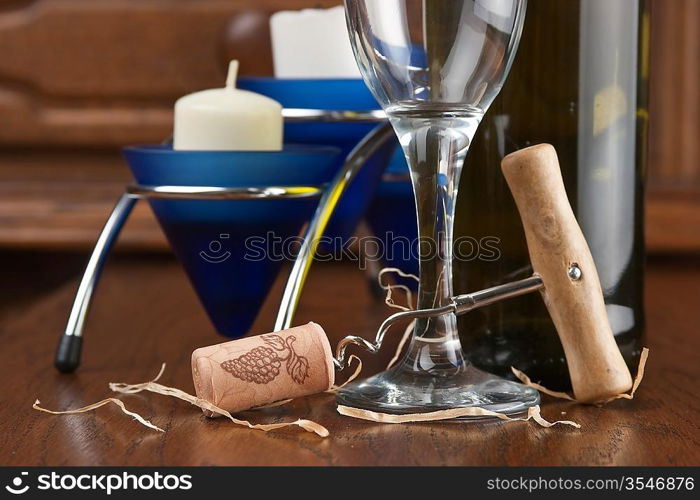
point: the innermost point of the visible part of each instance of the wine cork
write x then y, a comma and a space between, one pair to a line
254, 371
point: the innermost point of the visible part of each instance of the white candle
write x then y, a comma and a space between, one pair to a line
312, 43
227, 119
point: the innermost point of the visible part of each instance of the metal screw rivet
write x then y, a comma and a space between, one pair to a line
574, 272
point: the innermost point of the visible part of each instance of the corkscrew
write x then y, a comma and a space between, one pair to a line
564, 273
458, 305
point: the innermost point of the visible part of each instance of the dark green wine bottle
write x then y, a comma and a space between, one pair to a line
579, 83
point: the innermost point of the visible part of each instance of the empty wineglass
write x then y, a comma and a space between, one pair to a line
435, 66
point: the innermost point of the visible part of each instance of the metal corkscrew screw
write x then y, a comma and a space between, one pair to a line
458, 305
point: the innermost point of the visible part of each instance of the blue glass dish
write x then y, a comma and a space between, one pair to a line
332, 94
232, 250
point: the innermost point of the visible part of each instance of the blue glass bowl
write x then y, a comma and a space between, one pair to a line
332, 94
232, 249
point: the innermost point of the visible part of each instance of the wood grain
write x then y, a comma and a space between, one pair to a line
673, 216
90, 76
59, 200
673, 221
107, 73
675, 94
146, 313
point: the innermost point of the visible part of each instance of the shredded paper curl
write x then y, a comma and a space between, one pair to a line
155, 387
433, 416
563, 395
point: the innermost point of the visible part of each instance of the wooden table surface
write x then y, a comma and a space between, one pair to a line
146, 313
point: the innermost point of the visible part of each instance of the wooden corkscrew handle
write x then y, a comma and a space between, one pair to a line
560, 255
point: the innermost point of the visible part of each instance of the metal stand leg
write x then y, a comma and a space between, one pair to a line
68, 352
354, 162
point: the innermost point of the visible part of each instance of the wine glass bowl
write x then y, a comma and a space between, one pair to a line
435, 66
442, 53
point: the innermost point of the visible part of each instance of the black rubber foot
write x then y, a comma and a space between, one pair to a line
68, 353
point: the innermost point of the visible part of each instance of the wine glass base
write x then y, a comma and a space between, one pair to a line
401, 391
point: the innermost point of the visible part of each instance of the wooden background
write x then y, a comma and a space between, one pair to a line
80, 78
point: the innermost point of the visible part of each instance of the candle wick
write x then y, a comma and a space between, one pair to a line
232, 74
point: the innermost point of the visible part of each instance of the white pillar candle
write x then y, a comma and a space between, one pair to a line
227, 119
312, 43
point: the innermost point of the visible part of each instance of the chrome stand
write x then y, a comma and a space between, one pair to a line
69, 348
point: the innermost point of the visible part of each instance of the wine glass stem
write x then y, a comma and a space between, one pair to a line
435, 147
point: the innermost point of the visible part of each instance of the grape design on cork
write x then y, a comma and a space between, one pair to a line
262, 364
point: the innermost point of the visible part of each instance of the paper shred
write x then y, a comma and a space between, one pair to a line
534, 413
526, 381
562, 395
389, 288
97, 405
352, 377
274, 404
153, 386
406, 335
387, 418
637, 380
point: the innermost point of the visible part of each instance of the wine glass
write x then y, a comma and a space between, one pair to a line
435, 66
